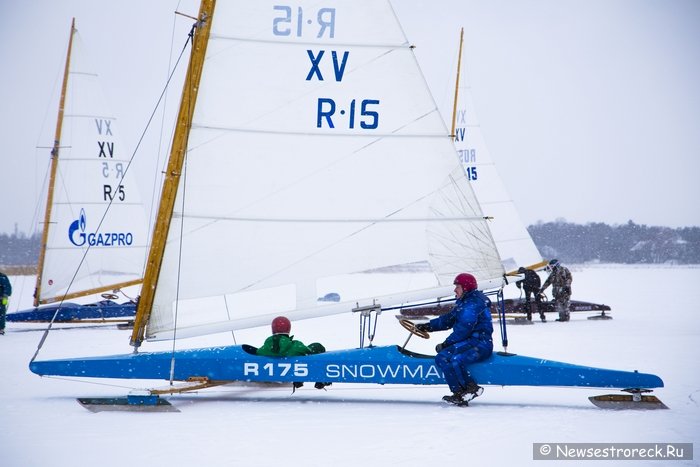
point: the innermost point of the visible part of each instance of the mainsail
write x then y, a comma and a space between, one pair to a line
310, 149
87, 176
514, 243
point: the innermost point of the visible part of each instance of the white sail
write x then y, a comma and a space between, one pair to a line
316, 151
90, 163
514, 243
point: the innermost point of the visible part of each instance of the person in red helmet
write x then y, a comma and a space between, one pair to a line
469, 342
282, 344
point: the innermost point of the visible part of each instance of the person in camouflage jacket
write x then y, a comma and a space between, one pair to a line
560, 278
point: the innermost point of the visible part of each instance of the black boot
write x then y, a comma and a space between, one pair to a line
473, 390
456, 399
296, 385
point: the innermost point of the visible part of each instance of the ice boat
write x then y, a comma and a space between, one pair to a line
83, 251
309, 151
514, 243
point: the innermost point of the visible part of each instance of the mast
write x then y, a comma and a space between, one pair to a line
54, 168
459, 66
174, 170
534, 266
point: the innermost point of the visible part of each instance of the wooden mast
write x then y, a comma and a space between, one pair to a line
459, 66
54, 168
174, 170
535, 266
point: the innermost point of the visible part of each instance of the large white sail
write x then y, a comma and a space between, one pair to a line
90, 162
515, 245
316, 151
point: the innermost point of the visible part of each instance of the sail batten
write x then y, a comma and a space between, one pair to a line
404, 45
329, 220
377, 136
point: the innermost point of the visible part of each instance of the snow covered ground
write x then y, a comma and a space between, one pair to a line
655, 329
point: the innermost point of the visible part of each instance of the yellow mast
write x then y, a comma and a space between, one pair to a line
459, 66
54, 167
174, 170
535, 266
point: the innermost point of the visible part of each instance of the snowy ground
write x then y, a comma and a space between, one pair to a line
655, 329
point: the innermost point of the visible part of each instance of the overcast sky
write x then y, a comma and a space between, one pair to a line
590, 108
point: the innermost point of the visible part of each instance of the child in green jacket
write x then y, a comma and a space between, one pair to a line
281, 344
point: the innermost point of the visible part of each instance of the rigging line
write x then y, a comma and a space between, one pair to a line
104, 215
228, 314
349, 235
216, 219
183, 182
156, 183
76, 380
179, 276
153, 113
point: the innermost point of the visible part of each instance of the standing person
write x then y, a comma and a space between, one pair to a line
560, 278
531, 286
5, 292
469, 342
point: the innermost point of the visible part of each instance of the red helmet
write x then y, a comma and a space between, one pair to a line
466, 280
281, 325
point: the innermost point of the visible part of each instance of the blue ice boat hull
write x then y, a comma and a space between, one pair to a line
69, 312
381, 365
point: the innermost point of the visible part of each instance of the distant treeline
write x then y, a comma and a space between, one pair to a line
570, 243
18, 251
627, 243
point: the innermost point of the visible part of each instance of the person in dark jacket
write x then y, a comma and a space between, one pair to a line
531, 286
5, 292
560, 278
469, 342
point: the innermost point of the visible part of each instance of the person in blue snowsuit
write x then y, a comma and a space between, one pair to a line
470, 341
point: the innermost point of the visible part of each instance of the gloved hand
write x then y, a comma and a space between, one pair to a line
439, 347
567, 290
540, 291
423, 327
5, 300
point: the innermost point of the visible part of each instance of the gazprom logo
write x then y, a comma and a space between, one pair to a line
79, 237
